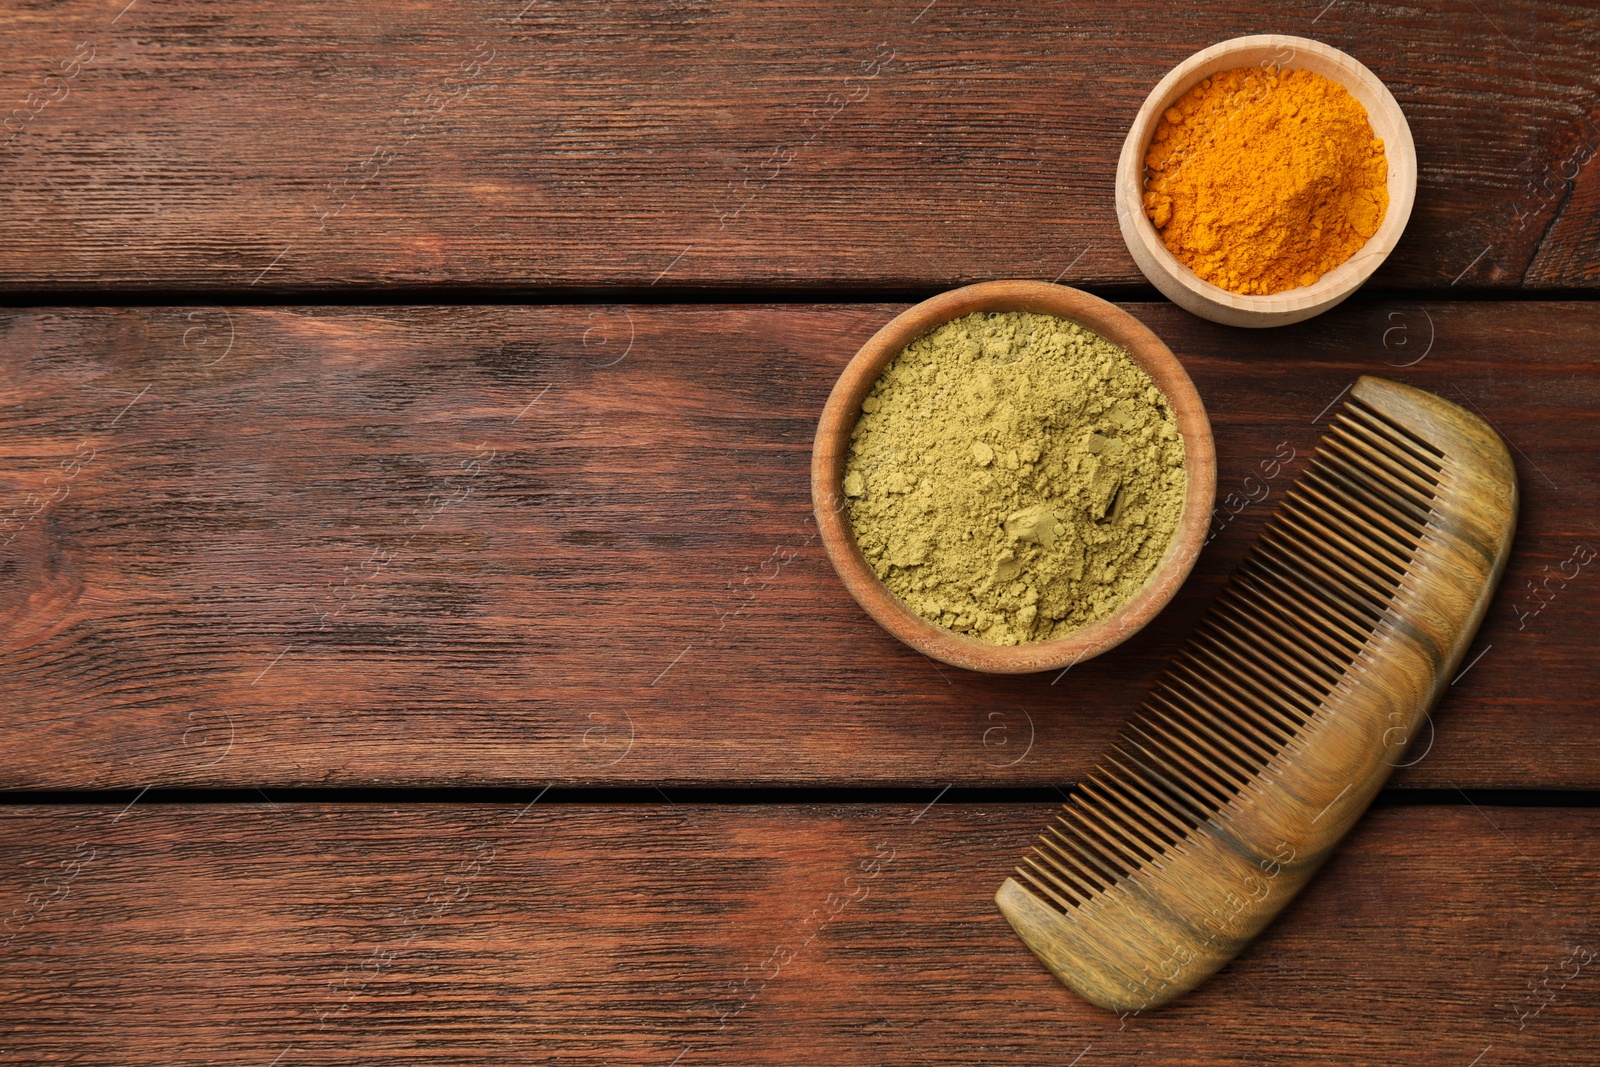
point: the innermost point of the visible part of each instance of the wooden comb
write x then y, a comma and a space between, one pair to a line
1278, 721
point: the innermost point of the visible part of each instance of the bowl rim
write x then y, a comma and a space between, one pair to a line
831, 447
1290, 305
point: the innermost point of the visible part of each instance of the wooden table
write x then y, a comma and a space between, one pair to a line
416, 644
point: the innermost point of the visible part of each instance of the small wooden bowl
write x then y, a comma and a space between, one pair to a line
832, 447
1189, 290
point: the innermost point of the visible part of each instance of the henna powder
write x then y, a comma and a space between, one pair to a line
1014, 476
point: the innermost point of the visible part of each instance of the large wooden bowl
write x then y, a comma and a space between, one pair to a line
844, 408
1186, 288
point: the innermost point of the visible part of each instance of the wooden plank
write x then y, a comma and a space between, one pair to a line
502, 545
585, 144
742, 935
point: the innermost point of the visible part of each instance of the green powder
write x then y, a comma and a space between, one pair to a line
1014, 476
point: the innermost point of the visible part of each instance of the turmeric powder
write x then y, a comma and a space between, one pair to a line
1261, 180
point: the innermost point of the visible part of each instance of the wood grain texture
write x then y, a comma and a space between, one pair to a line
522, 545
828, 934
587, 144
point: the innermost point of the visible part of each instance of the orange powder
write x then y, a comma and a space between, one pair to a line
1260, 180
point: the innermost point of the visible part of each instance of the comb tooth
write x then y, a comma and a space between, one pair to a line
1180, 762
1116, 850
1307, 668
1359, 461
1131, 783
1113, 858
1426, 451
1049, 890
1413, 514
1135, 778
1114, 832
1380, 573
1201, 678
1234, 727
1236, 718
1135, 819
1297, 698
1068, 867
1203, 689
1196, 697
1370, 537
1284, 674
1293, 701
1420, 445
1151, 797
1253, 701
1408, 519
1211, 738
1242, 716
1356, 429
1033, 884
1161, 784
1320, 651
1067, 875
1381, 459
1327, 625
1292, 688
1339, 575
1108, 870
1180, 767
1252, 617
1378, 523
1301, 515
1281, 572
1219, 773
1163, 829
1292, 562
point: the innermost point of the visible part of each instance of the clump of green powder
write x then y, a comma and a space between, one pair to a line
1014, 476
